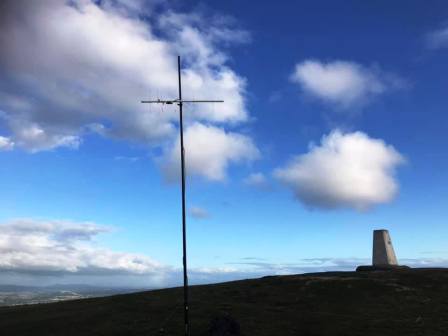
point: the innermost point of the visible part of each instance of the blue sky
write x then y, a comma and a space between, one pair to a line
333, 125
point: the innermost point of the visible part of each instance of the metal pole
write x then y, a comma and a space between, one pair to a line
184, 233
182, 159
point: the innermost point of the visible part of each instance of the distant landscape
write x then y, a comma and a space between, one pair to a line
402, 302
11, 295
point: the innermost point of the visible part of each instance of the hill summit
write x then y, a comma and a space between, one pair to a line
400, 302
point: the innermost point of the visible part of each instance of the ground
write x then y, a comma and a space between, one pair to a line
402, 302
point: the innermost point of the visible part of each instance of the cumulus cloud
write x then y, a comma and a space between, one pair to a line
198, 212
62, 247
59, 251
342, 83
209, 151
348, 170
72, 67
438, 38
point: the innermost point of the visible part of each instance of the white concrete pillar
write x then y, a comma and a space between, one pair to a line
383, 251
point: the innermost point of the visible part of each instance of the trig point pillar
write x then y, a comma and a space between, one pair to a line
383, 257
383, 251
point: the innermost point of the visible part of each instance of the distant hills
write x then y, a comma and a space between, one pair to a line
18, 295
403, 302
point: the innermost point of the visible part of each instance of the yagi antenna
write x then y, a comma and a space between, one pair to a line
179, 101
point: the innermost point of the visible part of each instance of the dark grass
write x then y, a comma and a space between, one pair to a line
404, 302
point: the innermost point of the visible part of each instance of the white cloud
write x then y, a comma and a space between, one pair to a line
348, 170
209, 151
342, 83
438, 38
33, 138
63, 247
6, 143
198, 212
57, 252
257, 180
67, 65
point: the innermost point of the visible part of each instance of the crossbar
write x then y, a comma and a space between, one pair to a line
159, 101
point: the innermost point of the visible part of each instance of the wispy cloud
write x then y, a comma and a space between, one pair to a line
127, 158
253, 259
6, 143
257, 180
438, 38
310, 265
198, 212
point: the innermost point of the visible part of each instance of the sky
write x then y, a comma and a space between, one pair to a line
333, 125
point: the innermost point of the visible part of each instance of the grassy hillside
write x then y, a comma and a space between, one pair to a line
409, 302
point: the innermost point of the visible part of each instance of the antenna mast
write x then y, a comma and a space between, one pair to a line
180, 103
